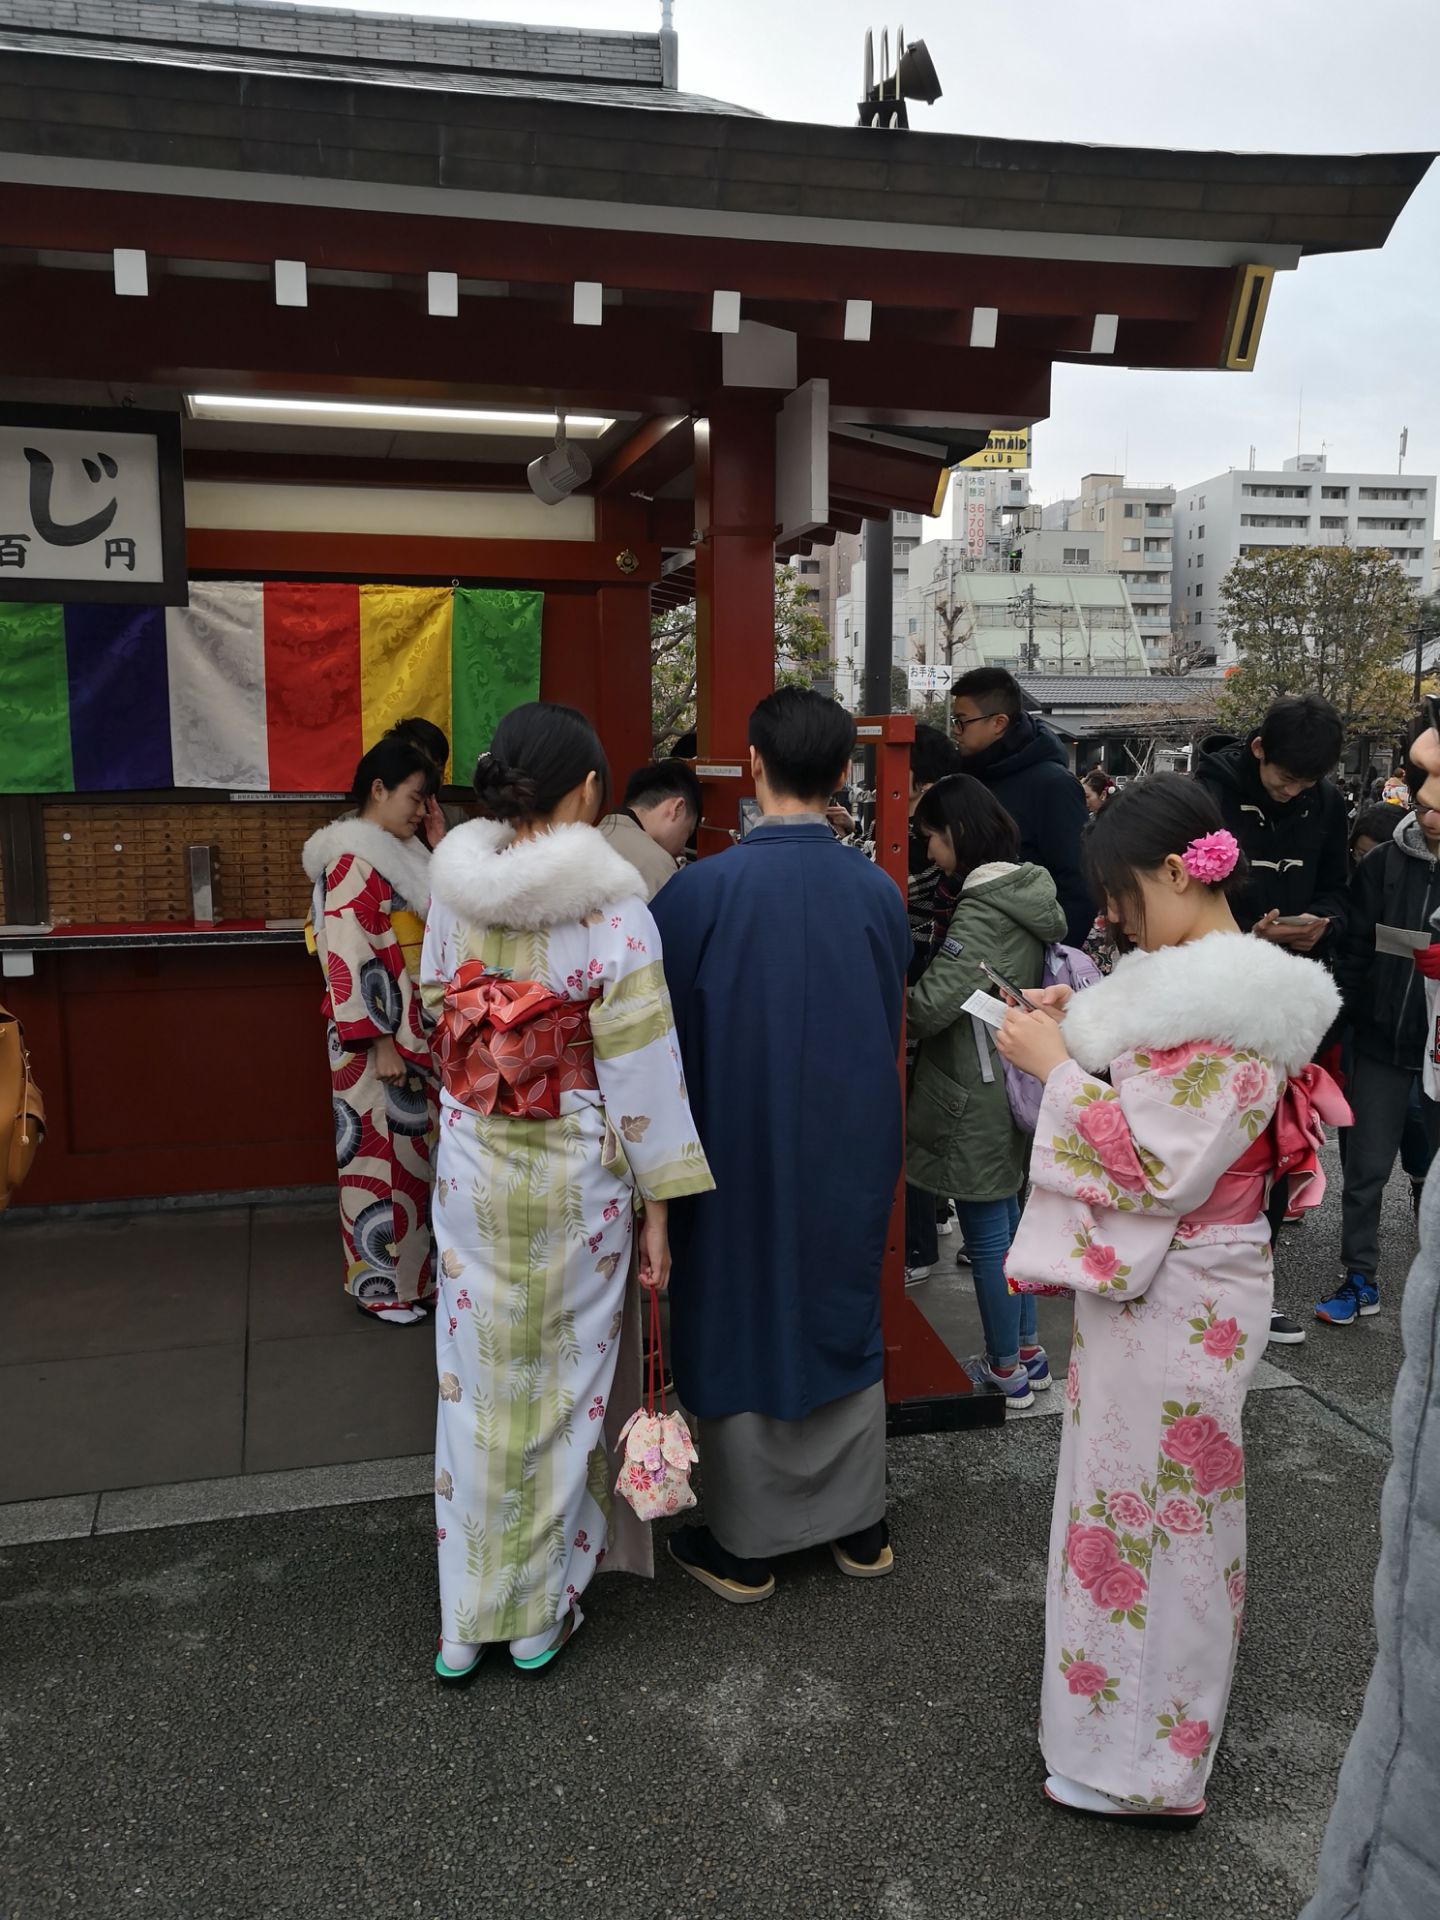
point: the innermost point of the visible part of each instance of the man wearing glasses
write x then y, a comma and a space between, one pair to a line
1396, 889
1024, 766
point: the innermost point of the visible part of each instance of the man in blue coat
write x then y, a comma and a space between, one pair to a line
786, 961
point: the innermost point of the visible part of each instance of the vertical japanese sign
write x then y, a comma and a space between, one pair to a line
976, 515
92, 505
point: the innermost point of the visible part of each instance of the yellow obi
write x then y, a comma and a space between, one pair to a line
409, 930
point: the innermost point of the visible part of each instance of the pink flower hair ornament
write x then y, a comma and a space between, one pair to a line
1212, 857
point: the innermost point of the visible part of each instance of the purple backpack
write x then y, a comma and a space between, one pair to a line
1063, 967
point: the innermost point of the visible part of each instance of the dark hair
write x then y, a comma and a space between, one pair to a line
424, 734
539, 753
1097, 780
1137, 830
686, 746
649, 786
391, 761
1302, 733
1375, 823
933, 756
804, 740
992, 689
980, 828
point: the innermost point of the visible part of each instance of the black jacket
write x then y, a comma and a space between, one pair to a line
1396, 885
1027, 772
1297, 852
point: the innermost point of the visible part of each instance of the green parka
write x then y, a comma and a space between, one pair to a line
960, 1139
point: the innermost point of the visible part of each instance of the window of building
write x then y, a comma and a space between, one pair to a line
1101, 516
1202, 509
847, 629
1333, 520
809, 566
1334, 493
1199, 618
1199, 588
1129, 509
1130, 546
1076, 556
913, 625
1202, 530
1200, 560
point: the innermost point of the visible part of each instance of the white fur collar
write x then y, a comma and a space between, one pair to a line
1228, 987
491, 879
404, 863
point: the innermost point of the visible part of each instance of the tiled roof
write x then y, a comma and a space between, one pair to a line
326, 34
1072, 693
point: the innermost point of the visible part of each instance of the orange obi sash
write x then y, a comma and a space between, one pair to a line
512, 1047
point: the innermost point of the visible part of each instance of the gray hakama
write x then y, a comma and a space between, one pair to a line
776, 1486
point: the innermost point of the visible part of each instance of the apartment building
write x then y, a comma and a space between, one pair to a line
1133, 527
1302, 504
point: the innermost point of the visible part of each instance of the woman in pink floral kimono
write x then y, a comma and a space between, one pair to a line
1147, 1202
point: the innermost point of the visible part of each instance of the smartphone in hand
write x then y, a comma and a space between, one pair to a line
1006, 987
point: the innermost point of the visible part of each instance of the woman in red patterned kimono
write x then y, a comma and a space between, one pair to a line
372, 892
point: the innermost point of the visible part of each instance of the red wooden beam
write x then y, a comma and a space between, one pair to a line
345, 470
195, 228
408, 556
658, 452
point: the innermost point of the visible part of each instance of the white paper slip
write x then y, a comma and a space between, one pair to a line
1399, 941
986, 1007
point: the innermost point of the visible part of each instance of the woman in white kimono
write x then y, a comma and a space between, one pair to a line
1147, 1201
563, 1110
371, 880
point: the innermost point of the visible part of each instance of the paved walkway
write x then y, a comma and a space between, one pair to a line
235, 1720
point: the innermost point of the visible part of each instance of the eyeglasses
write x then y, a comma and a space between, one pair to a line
1432, 810
959, 721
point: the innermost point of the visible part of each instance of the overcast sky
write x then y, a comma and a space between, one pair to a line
1358, 333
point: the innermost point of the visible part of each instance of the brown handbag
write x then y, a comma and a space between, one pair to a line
22, 1109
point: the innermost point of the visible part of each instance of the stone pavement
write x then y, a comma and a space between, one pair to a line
234, 1720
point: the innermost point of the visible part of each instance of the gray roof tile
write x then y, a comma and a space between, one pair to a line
274, 26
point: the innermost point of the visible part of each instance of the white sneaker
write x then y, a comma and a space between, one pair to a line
916, 1276
1015, 1385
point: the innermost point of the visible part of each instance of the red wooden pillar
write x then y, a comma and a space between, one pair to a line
734, 567
622, 710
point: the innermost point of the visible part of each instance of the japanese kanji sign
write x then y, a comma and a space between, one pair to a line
91, 505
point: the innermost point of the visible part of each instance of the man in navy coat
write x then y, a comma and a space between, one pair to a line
786, 959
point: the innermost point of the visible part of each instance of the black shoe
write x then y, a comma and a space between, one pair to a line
1417, 1188
1285, 1332
702, 1556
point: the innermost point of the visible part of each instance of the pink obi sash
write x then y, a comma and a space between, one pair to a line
512, 1046
1290, 1144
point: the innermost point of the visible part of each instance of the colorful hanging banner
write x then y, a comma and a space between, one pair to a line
274, 687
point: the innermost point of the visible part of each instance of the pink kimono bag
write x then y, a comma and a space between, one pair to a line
657, 1452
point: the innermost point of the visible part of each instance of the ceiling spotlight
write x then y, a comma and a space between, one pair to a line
556, 474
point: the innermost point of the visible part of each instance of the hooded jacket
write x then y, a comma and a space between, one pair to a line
960, 1138
1027, 772
1296, 850
1395, 885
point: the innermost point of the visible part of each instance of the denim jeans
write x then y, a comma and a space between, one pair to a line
1008, 1318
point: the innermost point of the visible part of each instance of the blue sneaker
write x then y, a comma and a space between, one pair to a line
1356, 1298
1015, 1385
1036, 1363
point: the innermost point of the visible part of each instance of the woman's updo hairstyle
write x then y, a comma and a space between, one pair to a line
539, 753
391, 761
1137, 830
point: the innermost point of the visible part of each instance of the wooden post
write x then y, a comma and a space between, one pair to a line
734, 568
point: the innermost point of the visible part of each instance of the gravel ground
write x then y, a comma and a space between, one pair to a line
236, 1719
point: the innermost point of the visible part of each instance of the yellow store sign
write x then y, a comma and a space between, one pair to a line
1003, 450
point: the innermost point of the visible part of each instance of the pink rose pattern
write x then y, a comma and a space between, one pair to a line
1158, 1546
1103, 1126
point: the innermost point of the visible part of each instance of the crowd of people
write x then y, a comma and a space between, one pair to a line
563, 1058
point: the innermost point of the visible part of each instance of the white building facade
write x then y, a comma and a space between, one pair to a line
1050, 611
1302, 504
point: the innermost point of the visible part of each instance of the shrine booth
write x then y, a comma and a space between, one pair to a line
306, 304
